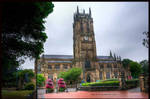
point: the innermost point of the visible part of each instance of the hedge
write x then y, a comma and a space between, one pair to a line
132, 83
104, 83
29, 86
61, 89
112, 82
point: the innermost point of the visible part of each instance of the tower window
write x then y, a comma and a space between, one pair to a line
87, 64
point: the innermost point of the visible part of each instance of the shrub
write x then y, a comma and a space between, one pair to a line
49, 90
29, 86
102, 83
40, 80
61, 89
105, 83
133, 82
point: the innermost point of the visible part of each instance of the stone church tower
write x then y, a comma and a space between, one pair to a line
84, 42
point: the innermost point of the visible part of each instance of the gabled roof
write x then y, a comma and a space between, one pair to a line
58, 56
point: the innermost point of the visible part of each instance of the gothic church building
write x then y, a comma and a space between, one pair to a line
84, 55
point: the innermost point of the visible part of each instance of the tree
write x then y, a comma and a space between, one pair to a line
145, 66
22, 32
125, 62
72, 74
40, 79
25, 76
135, 69
146, 40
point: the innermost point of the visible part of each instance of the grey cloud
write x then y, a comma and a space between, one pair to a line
118, 27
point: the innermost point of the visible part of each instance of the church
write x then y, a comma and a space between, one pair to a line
84, 55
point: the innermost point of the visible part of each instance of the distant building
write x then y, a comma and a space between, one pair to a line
84, 48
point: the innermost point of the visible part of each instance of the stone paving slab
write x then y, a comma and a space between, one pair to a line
100, 94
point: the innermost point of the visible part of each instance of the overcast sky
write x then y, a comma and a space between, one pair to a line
118, 26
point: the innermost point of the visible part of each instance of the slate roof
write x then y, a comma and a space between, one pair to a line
58, 56
71, 57
106, 61
104, 57
59, 61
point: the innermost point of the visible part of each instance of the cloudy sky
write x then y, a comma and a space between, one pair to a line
118, 26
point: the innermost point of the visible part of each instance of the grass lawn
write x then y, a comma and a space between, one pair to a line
21, 94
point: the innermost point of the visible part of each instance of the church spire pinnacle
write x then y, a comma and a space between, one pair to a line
83, 11
77, 10
110, 54
114, 56
90, 12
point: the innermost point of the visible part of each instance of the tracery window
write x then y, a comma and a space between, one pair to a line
107, 75
115, 74
108, 65
101, 66
65, 66
101, 75
49, 66
115, 66
57, 67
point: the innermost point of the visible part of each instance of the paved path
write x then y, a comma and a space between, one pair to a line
99, 94
131, 93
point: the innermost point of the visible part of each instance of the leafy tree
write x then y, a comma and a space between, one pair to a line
146, 40
72, 74
135, 69
25, 76
22, 33
145, 66
40, 79
125, 62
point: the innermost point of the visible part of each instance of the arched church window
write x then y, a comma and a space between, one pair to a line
70, 66
101, 66
101, 75
57, 67
49, 66
115, 74
115, 66
108, 66
107, 75
65, 66
50, 76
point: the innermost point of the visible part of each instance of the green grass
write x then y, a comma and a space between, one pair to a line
21, 94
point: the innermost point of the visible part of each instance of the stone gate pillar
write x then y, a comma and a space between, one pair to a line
122, 81
144, 82
141, 78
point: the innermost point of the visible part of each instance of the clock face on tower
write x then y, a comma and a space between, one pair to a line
85, 38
